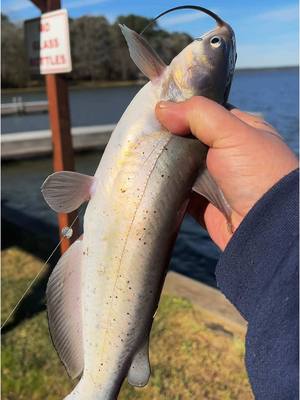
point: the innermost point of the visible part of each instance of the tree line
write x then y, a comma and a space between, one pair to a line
98, 48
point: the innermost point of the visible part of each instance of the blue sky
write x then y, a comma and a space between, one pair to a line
266, 30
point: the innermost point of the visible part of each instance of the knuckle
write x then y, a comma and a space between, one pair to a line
195, 101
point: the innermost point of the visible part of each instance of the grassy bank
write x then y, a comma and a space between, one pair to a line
193, 354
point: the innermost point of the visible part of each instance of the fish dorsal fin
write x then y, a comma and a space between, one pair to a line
64, 309
139, 371
142, 54
65, 191
207, 187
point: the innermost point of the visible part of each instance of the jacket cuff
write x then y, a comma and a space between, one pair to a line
255, 251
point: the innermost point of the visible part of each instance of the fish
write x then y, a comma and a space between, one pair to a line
104, 292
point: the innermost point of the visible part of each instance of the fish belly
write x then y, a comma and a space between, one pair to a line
130, 225
143, 182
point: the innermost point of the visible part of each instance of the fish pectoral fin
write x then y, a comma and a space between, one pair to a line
139, 371
207, 187
142, 54
65, 191
63, 296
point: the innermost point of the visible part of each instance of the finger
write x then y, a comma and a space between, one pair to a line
256, 121
217, 226
245, 116
210, 218
208, 121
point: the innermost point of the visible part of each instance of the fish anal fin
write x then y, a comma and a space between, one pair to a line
207, 187
63, 296
139, 371
65, 191
142, 54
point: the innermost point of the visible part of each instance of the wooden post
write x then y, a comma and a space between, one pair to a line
59, 115
63, 157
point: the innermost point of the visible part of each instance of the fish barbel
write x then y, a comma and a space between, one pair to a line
104, 291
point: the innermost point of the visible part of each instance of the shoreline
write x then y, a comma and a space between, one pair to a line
205, 298
78, 85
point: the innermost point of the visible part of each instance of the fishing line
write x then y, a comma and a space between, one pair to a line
66, 234
186, 7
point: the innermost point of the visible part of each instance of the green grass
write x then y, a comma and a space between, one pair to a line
193, 354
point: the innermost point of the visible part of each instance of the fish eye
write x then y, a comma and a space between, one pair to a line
216, 41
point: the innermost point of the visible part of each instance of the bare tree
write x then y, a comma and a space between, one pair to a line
91, 48
99, 50
14, 69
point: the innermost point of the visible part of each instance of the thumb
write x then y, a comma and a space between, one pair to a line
208, 121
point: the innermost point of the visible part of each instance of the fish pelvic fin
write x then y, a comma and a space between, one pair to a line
65, 191
64, 309
139, 371
207, 187
143, 55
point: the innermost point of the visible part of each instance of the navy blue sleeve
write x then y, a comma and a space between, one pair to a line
258, 273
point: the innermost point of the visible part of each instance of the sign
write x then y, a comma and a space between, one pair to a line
48, 43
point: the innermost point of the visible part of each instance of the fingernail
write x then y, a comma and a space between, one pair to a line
164, 104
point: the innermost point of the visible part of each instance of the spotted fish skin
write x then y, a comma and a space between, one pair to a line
140, 203
103, 294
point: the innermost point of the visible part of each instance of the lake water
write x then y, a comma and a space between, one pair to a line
274, 93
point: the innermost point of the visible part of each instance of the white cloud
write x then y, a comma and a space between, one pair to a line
16, 6
70, 5
274, 55
179, 19
284, 14
18, 10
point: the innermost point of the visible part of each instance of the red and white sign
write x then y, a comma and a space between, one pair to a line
48, 43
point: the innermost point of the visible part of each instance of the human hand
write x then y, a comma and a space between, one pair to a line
246, 157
